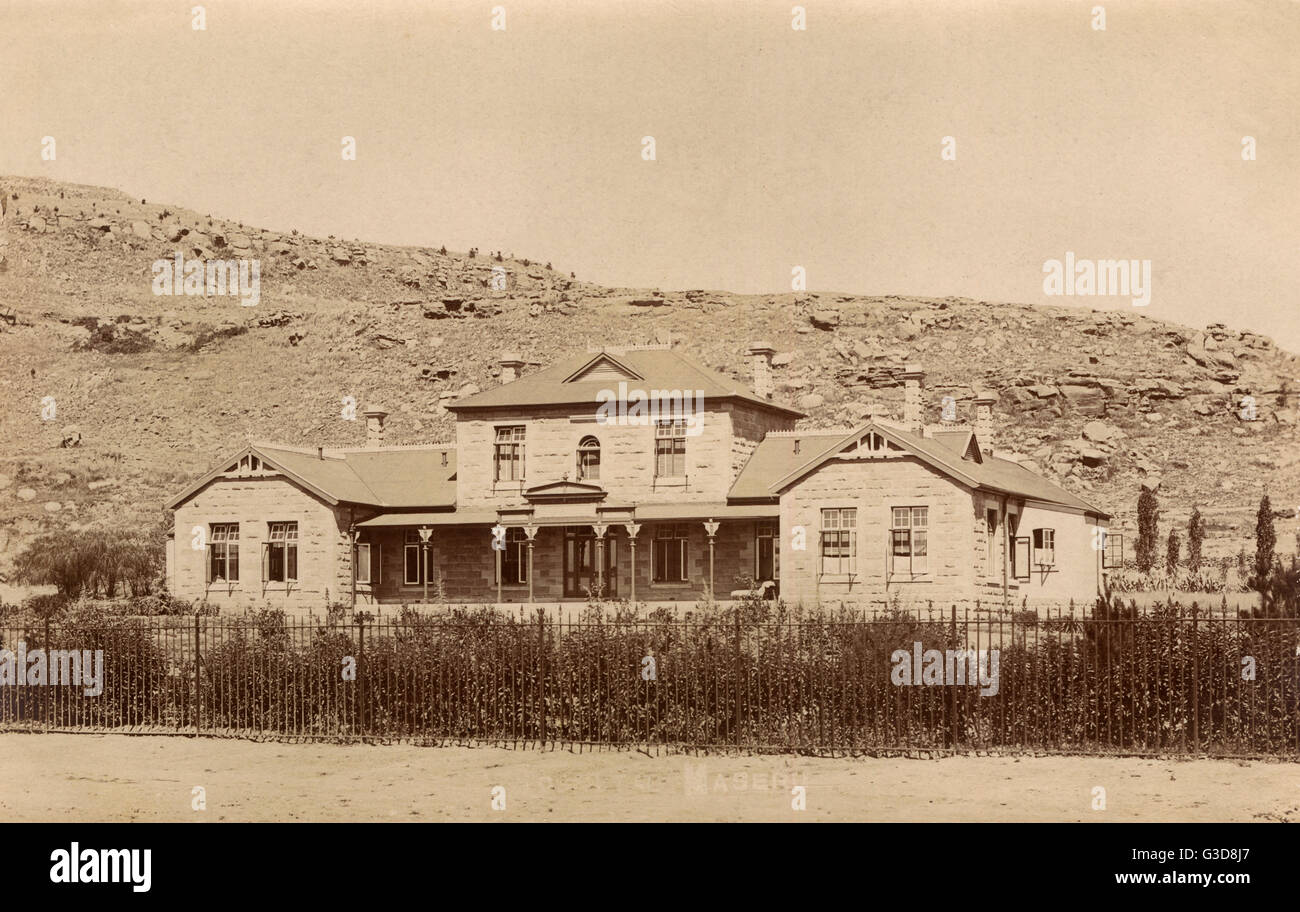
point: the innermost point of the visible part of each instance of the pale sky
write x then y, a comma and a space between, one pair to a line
775, 147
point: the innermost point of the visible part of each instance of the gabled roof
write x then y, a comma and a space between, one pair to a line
781, 460
563, 382
381, 477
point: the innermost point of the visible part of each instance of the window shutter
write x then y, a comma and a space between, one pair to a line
207, 563
266, 561
1020, 558
376, 564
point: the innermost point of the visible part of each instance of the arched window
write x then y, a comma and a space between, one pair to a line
589, 459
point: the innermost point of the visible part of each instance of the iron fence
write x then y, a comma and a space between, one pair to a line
1157, 681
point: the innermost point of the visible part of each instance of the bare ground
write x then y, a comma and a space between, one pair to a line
60, 777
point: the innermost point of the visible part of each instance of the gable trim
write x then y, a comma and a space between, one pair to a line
221, 470
597, 359
851, 440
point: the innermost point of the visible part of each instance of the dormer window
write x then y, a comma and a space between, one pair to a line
589, 459
509, 454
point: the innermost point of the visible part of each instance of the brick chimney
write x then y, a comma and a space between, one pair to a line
760, 359
984, 419
912, 412
511, 365
375, 426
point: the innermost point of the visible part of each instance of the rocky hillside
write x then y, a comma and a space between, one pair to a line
116, 395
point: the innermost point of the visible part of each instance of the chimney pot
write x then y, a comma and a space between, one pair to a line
983, 423
511, 364
760, 356
375, 426
912, 377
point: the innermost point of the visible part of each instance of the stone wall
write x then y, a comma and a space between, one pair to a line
874, 487
254, 503
626, 458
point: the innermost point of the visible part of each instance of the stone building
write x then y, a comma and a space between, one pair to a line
638, 474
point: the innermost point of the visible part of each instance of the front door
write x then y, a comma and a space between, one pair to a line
580, 563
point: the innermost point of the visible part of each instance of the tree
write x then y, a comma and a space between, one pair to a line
1171, 552
60, 559
1148, 529
91, 561
1195, 536
1265, 540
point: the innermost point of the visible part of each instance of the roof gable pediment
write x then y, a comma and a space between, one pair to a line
569, 491
604, 368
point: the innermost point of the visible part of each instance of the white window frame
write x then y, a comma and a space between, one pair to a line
511, 437
1044, 545
674, 431
587, 447
905, 529
839, 525
411, 541
284, 535
370, 568
223, 539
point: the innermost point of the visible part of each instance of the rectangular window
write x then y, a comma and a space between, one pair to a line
363, 562
839, 541
1045, 547
370, 561
514, 559
1113, 557
670, 449
670, 554
411, 547
909, 540
280, 558
509, 454
223, 552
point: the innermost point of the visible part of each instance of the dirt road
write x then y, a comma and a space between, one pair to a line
54, 777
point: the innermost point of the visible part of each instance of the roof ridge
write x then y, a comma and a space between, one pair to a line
392, 446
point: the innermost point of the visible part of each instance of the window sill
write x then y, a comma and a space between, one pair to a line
919, 578
683, 584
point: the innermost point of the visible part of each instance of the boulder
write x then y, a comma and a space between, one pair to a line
25, 494
811, 401
142, 229
1092, 457
825, 318
1101, 432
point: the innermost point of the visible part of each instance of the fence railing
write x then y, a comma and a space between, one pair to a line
1153, 682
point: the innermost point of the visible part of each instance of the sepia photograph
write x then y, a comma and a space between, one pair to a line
672, 411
